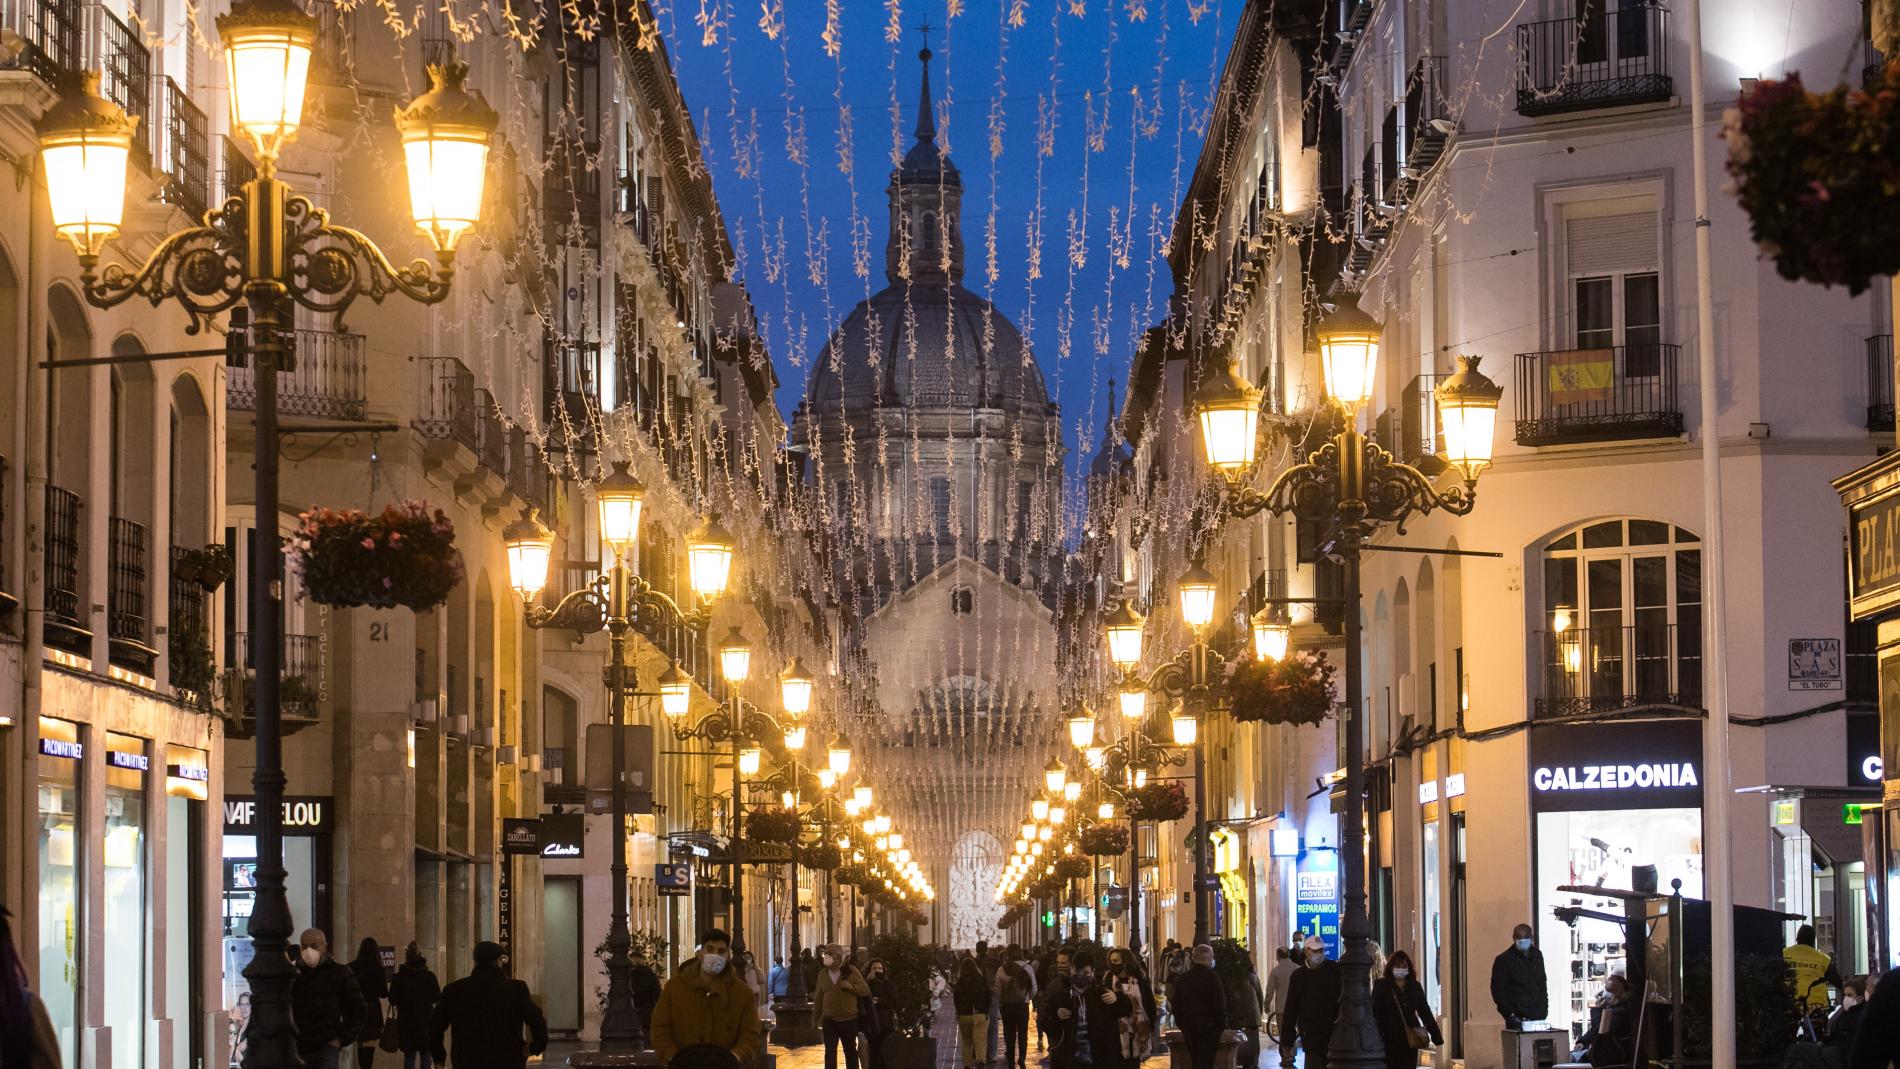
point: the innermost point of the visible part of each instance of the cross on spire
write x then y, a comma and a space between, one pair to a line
925, 30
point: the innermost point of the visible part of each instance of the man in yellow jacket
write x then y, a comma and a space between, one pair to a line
706, 1002
1813, 971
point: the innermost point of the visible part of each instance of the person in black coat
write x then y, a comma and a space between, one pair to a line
1519, 987
324, 1002
1399, 1005
1076, 998
646, 993
1312, 1006
488, 1011
412, 998
874, 1013
1877, 1041
1199, 1002
367, 968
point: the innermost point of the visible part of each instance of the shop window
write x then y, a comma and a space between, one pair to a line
127, 763
1622, 623
60, 930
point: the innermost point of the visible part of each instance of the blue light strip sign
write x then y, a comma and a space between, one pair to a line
65, 749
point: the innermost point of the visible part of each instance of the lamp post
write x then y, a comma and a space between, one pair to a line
622, 604
1188, 678
1351, 485
738, 723
1132, 761
267, 249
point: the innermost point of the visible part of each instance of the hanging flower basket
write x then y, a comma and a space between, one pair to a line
404, 556
1296, 689
1104, 840
208, 567
772, 825
1157, 801
1816, 173
852, 875
1073, 867
915, 916
1011, 916
824, 857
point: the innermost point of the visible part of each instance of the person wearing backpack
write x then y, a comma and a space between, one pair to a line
1015, 987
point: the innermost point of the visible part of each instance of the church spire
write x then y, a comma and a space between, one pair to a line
926, 114
926, 240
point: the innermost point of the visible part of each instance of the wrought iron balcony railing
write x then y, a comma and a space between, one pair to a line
1601, 669
1880, 382
64, 626
182, 149
1605, 394
328, 380
121, 56
1606, 58
128, 622
300, 686
1425, 110
51, 35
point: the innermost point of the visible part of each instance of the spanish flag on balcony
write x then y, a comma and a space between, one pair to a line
1574, 376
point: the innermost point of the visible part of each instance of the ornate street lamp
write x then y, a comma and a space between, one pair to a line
794, 688
735, 657
268, 250
1349, 486
1082, 729
1124, 626
838, 754
1054, 776
1271, 636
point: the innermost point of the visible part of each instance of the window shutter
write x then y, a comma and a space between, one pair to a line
1610, 244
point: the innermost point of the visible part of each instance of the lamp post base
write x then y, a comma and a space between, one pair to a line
797, 1023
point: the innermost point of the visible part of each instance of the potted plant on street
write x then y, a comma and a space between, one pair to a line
1765, 1011
403, 556
907, 965
1296, 689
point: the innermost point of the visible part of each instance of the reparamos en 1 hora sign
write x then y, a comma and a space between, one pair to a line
1615, 777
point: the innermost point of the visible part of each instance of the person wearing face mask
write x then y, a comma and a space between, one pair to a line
874, 1019
1312, 1005
840, 988
1519, 987
1845, 1023
1125, 975
706, 1003
325, 1002
1199, 1004
1084, 1016
489, 1012
1405, 1019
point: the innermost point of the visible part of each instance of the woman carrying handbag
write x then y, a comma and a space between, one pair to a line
1406, 1022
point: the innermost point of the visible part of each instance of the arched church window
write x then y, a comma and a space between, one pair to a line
963, 601
930, 231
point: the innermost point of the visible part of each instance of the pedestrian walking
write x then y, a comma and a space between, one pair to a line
1814, 973
488, 1011
1844, 1025
754, 978
1015, 987
1244, 1001
27, 1038
840, 986
1877, 1044
1125, 975
706, 1003
412, 998
971, 998
367, 969
1312, 1005
1084, 1016
1518, 984
1406, 1022
874, 1013
988, 960
1199, 1006
325, 1002
646, 992
1283, 969
779, 979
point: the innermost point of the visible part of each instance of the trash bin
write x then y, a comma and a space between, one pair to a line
1536, 1049
1223, 1057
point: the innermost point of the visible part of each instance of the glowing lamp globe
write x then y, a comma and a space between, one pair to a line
1229, 410
618, 498
794, 688
1197, 591
1271, 637
827, 779
676, 692
1039, 809
1095, 756
85, 141
1028, 829
530, 546
1468, 417
1105, 811
267, 46
1072, 790
749, 760
1134, 703
1185, 728
1082, 730
1124, 627
709, 560
445, 137
862, 794
838, 755
1349, 353
1054, 776
795, 738
735, 657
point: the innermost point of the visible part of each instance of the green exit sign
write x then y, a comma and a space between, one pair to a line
1851, 812
1049, 919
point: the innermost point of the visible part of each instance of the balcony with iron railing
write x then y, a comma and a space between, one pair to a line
1583, 670
1409, 429
1607, 58
120, 55
448, 411
188, 627
1880, 383
128, 624
300, 690
234, 169
65, 627
328, 380
51, 33
1606, 394
182, 151
528, 477
572, 388
1427, 114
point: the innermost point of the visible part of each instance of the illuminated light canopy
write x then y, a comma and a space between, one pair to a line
446, 133
1349, 353
1468, 417
85, 141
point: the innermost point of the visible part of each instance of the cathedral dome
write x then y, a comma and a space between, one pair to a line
930, 345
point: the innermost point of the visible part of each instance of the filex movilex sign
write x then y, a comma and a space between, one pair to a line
1630, 764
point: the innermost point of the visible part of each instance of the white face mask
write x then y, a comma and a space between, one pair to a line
713, 963
1848, 1002
312, 957
1400, 974
829, 961
1315, 957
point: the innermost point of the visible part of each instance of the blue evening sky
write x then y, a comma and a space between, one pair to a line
1124, 102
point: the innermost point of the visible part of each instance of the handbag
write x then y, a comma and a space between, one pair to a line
1419, 1038
391, 1039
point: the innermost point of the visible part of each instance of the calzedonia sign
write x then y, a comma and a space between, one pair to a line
1630, 764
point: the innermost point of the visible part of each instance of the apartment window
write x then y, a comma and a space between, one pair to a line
940, 507
1615, 287
1623, 615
